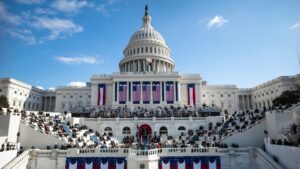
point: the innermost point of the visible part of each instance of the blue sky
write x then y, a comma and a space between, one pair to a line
52, 43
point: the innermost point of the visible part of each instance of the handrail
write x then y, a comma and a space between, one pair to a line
268, 159
17, 161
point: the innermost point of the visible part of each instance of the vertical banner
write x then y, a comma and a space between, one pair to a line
191, 95
146, 92
170, 92
116, 91
122, 92
136, 92
176, 90
163, 91
129, 91
101, 94
156, 92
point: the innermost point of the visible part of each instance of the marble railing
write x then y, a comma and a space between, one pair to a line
21, 160
242, 130
267, 159
146, 119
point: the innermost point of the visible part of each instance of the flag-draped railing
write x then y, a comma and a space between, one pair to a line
190, 162
96, 163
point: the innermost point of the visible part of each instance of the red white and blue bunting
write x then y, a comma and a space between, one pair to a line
191, 94
156, 92
170, 92
122, 92
190, 162
101, 95
96, 163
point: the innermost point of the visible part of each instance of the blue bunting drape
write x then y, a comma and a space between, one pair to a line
189, 160
81, 161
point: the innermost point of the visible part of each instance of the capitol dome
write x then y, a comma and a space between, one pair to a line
146, 51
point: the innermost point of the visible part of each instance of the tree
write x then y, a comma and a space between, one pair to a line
4, 101
287, 98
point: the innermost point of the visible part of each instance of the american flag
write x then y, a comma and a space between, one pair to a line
122, 92
170, 92
156, 92
136, 93
146, 92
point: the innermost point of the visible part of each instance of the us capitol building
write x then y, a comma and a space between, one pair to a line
44, 137
147, 78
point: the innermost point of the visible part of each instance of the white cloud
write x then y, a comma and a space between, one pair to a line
8, 17
44, 11
30, 1
103, 8
79, 60
22, 34
77, 84
59, 28
216, 21
40, 87
70, 6
295, 26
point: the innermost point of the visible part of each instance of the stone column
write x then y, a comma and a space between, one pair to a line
44, 103
243, 105
249, 101
174, 83
49, 103
178, 90
113, 92
144, 63
117, 92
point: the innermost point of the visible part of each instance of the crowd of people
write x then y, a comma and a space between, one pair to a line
200, 138
142, 112
8, 146
294, 141
76, 136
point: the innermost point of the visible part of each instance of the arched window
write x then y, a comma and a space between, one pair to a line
154, 50
142, 50
126, 130
163, 130
108, 129
138, 50
150, 49
146, 49
181, 128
